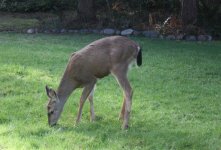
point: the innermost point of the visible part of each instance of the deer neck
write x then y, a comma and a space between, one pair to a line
65, 88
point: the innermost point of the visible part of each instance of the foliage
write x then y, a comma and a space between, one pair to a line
176, 102
139, 14
33, 5
209, 15
9, 23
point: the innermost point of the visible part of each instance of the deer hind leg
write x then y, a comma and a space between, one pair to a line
121, 76
86, 91
121, 116
90, 98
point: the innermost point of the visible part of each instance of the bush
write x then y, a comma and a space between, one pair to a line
34, 6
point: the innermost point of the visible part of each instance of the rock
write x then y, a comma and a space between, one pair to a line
151, 34
202, 38
95, 31
190, 38
137, 33
84, 31
36, 30
161, 37
70, 31
31, 31
117, 32
108, 31
55, 31
76, 31
127, 32
63, 31
179, 37
209, 37
46, 31
170, 37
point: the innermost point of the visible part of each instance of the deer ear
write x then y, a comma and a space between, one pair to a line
50, 92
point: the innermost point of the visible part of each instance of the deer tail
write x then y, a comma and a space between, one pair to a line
139, 57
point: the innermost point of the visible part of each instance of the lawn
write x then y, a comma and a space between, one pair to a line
176, 102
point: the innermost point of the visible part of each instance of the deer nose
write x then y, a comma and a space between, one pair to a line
52, 125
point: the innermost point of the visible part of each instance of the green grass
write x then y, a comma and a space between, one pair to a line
176, 103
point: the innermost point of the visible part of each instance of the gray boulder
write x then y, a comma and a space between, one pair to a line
202, 38
31, 31
55, 31
137, 33
84, 31
209, 37
47, 31
117, 32
190, 38
108, 31
127, 32
151, 34
179, 37
63, 31
70, 31
161, 36
170, 37
95, 31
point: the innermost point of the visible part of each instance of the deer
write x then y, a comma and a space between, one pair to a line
109, 55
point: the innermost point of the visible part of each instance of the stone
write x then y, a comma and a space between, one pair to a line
161, 37
63, 31
209, 37
84, 31
31, 31
190, 38
76, 31
151, 34
70, 31
127, 32
47, 31
137, 33
179, 37
202, 38
117, 32
170, 37
95, 31
55, 31
108, 31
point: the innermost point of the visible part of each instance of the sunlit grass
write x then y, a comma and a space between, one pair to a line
176, 103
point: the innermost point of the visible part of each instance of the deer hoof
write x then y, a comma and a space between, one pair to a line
124, 127
92, 119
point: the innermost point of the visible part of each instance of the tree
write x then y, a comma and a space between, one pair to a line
189, 12
86, 10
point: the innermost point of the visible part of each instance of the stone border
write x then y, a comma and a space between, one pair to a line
127, 32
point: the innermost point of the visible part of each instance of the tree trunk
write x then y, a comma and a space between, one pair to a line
86, 10
189, 12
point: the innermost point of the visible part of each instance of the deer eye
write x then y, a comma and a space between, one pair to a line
50, 113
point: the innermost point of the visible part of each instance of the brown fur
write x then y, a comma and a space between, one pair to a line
97, 60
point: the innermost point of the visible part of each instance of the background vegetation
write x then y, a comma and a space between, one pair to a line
176, 103
138, 14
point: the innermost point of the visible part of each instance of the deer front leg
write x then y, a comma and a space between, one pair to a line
86, 91
90, 98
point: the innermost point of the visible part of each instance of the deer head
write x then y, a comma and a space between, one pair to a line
53, 106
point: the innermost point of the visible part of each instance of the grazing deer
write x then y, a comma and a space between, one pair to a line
97, 60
